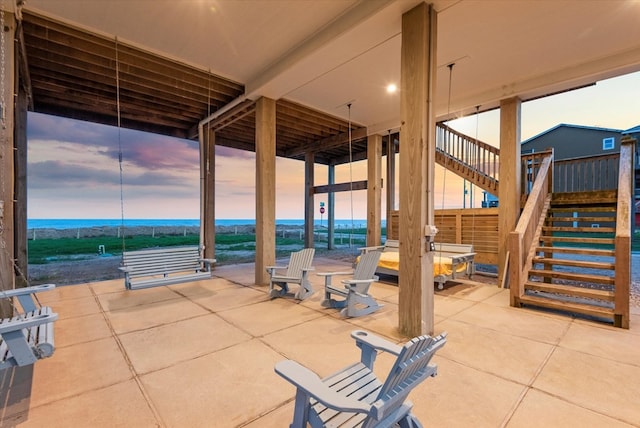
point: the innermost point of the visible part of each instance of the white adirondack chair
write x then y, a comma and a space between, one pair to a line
297, 273
355, 298
28, 335
354, 396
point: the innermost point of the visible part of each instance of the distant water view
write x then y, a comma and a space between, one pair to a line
110, 222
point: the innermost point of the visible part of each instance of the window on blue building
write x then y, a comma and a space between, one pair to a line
608, 143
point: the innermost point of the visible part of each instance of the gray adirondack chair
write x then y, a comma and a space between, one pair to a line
355, 299
354, 396
297, 272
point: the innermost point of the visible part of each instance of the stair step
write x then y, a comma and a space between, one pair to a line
569, 219
582, 209
579, 229
576, 263
600, 241
585, 198
579, 308
578, 277
571, 290
576, 250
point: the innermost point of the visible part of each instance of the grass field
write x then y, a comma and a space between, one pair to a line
44, 251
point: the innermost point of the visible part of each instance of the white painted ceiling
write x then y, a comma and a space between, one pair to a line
328, 53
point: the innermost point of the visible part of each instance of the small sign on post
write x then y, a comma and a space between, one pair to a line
321, 212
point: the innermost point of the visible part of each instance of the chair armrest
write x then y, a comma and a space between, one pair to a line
28, 321
364, 250
208, 261
334, 273
357, 281
26, 290
125, 269
369, 343
329, 275
306, 380
462, 258
309, 269
273, 269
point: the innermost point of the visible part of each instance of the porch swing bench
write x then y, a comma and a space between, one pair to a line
164, 266
27, 336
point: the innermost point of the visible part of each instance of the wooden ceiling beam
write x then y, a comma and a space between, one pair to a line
341, 187
108, 109
47, 78
85, 115
331, 142
64, 34
51, 90
106, 74
289, 107
307, 129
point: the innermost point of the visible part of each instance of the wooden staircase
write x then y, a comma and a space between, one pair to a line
573, 259
471, 159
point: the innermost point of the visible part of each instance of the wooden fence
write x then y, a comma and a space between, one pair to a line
477, 226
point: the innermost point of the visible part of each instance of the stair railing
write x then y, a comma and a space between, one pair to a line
586, 174
482, 160
530, 164
624, 217
529, 227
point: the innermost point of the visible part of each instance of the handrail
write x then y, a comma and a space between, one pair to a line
528, 227
623, 232
530, 166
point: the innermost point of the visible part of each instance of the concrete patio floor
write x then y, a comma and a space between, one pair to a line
201, 354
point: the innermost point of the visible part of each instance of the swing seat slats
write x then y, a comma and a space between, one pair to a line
28, 336
165, 266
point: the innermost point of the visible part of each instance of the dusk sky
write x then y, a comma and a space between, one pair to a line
73, 169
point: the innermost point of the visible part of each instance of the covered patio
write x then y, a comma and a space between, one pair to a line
201, 354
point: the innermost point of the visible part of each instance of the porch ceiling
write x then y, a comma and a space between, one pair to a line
178, 62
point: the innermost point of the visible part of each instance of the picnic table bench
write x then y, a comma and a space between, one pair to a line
164, 266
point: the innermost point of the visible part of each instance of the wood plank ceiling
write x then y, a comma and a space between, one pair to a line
74, 73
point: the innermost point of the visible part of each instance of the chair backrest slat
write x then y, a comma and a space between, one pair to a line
367, 265
300, 260
410, 368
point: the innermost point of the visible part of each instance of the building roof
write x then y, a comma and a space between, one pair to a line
634, 130
566, 125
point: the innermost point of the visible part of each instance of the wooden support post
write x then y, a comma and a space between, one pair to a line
20, 208
418, 73
374, 190
331, 209
459, 229
207, 139
265, 188
309, 163
391, 183
510, 177
624, 220
7, 169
